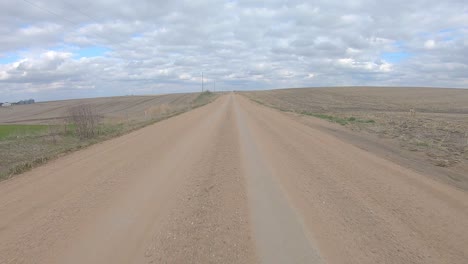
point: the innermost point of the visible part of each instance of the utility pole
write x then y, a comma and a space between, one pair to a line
214, 86
202, 82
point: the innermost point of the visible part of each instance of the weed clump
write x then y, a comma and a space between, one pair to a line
85, 120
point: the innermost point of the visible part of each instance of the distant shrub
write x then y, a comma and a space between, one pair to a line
85, 120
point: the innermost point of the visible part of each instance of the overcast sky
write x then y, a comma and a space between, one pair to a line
51, 49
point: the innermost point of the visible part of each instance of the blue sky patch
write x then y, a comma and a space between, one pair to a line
137, 35
449, 34
448, 30
91, 52
399, 44
8, 58
394, 57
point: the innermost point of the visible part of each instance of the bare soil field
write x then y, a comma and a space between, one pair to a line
33, 134
123, 108
230, 182
425, 120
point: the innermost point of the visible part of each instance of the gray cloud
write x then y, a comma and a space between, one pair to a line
103, 47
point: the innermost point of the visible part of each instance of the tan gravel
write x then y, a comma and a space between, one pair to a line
230, 182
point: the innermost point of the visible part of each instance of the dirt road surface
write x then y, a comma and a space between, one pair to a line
230, 182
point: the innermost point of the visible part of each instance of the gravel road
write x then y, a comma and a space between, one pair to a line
230, 182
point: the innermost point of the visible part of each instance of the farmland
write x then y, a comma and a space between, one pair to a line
124, 108
32, 134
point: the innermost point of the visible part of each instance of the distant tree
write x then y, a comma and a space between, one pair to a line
22, 102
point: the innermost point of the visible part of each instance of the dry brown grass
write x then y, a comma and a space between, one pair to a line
433, 121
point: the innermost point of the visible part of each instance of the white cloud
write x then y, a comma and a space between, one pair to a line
429, 44
365, 65
165, 45
4, 75
310, 76
185, 76
38, 30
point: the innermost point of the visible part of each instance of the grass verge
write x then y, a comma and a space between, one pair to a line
340, 120
18, 130
335, 119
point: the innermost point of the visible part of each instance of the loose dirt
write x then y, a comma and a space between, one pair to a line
230, 182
